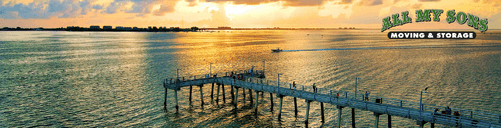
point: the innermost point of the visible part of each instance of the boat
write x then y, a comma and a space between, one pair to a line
276, 50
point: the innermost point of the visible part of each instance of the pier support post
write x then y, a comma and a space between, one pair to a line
201, 95
322, 111
353, 117
165, 101
376, 121
217, 94
295, 107
224, 94
250, 94
191, 88
432, 125
236, 98
271, 101
339, 113
177, 103
280, 107
257, 103
212, 93
389, 121
307, 111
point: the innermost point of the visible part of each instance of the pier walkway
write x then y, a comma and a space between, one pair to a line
342, 99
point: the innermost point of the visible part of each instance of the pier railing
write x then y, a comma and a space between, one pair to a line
381, 105
464, 113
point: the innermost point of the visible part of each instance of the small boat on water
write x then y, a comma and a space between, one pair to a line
276, 50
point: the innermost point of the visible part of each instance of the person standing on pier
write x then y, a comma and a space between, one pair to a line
294, 85
367, 95
314, 88
448, 110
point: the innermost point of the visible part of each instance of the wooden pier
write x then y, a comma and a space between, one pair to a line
422, 113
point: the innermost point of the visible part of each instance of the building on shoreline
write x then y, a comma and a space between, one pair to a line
107, 27
95, 27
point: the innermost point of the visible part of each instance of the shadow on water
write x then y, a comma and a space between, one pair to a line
224, 115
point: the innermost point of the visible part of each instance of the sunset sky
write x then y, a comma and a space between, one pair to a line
235, 13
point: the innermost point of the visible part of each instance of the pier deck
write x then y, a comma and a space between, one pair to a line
378, 105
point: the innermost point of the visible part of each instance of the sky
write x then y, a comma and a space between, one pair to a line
237, 13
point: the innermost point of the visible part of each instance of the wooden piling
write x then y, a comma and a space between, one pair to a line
236, 98
353, 117
212, 92
243, 93
322, 111
295, 107
250, 95
376, 121
201, 96
224, 94
280, 107
191, 88
389, 121
307, 111
257, 103
232, 94
165, 101
271, 101
339, 113
217, 95
177, 103
432, 125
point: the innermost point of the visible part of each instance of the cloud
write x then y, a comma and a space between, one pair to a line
416, 6
429, 0
166, 7
286, 2
163, 9
304, 3
113, 7
370, 2
218, 18
47, 9
345, 2
142, 7
11, 15
247, 2
97, 7
44, 9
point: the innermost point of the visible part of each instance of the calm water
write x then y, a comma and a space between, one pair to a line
87, 79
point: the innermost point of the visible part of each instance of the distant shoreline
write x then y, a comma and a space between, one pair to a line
165, 29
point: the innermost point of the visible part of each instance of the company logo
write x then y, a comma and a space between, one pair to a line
425, 16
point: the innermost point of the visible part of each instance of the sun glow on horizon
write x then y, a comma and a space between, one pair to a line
232, 10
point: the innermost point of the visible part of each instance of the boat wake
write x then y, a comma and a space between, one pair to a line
372, 48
